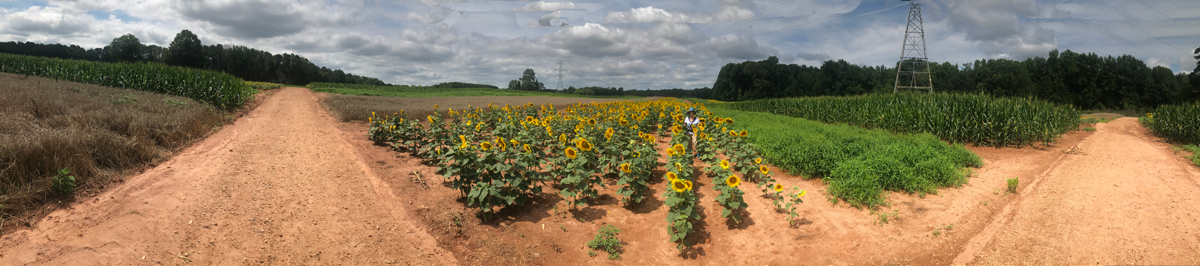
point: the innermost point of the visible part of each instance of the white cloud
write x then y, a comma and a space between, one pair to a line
650, 14
546, 6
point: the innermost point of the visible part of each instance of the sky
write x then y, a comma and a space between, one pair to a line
631, 44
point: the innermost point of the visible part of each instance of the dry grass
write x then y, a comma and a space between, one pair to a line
96, 131
359, 108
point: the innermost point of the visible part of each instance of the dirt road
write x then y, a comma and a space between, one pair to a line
1122, 199
279, 186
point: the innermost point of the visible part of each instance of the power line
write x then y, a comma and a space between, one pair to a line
1155, 9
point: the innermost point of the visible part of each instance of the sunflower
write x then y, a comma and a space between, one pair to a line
571, 153
763, 169
500, 143
733, 181
670, 152
591, 121
678, 186
778, 187
703, 136
758, 160
485, 145
634, 127
744, 134
514, 142
687, 183
527, 148
562, 138
584, 144
671, 176
679, 167
549, 132
802, 192
608, 133
679, 148
659, 126
728, 120
478, 126
624, 122
530, 119
430, 117
370, 120
625, 167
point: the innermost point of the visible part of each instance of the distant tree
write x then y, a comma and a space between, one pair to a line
186, 50
514, 85
529, 81
126, 48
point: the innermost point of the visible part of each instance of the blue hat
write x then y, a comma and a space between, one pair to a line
691, 109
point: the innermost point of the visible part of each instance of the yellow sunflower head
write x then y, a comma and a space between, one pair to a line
625, 167
591, 121
758, 160
478, 127
527, 148
571, 153
728, 120
763, 168
670, 152
584, 145
624, 122
703, 136
634, 127
733, 181
485, 145
678, 186
608, 133
671, 176
802, 192
744, 133
724, 164
778, 187
679, 167
687, 184
679, 149
530, 119
562, 138
430, 117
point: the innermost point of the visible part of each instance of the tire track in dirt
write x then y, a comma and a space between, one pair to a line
279, 186
1124, 199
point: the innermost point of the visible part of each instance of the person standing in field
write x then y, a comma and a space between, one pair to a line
689, 124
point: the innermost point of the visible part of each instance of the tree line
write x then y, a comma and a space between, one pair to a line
187, 50
1087, 81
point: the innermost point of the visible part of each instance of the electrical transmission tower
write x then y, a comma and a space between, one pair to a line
912, 72
560, 73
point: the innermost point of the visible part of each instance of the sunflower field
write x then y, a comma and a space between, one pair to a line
1178, 123
498, 156
965, 118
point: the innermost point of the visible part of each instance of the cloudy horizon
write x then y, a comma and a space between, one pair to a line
630, 44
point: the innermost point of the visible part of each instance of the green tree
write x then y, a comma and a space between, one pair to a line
514, 85
186, 50
529, 81
126, 48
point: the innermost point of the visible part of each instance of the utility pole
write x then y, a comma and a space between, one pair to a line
912, 71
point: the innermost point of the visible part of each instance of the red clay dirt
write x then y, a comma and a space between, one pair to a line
288, 185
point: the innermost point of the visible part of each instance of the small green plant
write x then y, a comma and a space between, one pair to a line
1089, 129
174, 102
1012, 185
564, 228
64, 182
607, 241
938, 230
884, 217
129, 98
788, 205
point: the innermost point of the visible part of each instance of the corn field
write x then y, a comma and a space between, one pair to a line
396, 88
1179, 123
965, 118
219, 89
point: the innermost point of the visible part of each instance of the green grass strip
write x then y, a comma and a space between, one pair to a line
858, 164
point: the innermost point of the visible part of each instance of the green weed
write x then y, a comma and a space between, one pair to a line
1012, 185
607, 241
63, 182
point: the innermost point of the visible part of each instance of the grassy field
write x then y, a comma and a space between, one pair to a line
965, 118
96, 132
424, 92
858, 164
